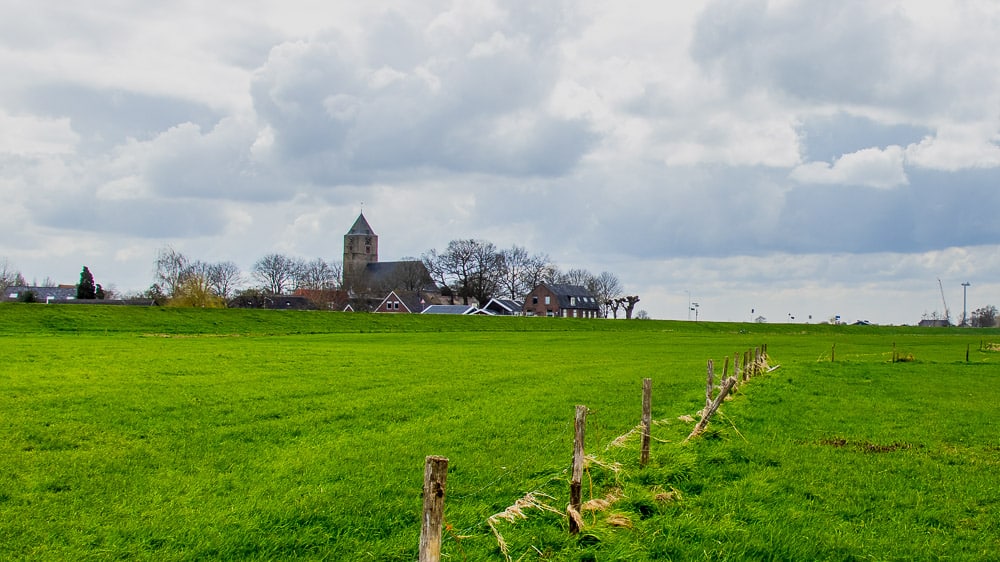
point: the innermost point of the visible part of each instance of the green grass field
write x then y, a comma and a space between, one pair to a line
171, 434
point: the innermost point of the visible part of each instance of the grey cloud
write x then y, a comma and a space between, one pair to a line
142, 218
105, 118
346, 120
219, 164
826, 138
843, 52
714, 211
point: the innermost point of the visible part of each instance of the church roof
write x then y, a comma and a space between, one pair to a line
361, 226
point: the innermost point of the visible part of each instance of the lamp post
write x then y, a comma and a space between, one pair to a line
694, 307
965, 288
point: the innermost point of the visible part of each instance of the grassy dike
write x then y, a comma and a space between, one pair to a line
169, 434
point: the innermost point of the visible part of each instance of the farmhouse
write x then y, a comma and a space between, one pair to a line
557, 299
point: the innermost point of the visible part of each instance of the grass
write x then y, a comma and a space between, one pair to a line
192, 434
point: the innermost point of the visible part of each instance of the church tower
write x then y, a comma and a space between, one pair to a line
360, 249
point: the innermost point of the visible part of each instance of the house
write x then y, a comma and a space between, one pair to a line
450, 309
557, 299
934, 323
40, 294
402, 302
504, 307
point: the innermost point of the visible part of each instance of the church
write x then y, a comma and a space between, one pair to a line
365, 275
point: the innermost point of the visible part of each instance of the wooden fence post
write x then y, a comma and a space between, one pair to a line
727, 385
893, 352
746, 365
435, 477
708, 384
647, 420
833, 353
576, 483
967, 352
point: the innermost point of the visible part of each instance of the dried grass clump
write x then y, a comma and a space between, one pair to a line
621, 439
619, 520
600, 504
515, 512
686, 418
664, 496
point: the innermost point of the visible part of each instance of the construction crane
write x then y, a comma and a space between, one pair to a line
947, 314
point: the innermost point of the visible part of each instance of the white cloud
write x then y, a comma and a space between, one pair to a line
871, 167
30, 134
958, 146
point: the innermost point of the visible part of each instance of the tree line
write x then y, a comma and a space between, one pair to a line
477, 269
466, 268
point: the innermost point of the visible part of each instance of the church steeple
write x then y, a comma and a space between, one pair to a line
361, 227
360, 249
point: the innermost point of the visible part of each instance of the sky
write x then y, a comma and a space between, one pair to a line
794, 160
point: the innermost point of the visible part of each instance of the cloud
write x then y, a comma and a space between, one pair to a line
958, 146
31, 134
871, 167
475, 102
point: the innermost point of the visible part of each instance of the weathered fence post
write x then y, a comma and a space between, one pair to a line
435, 477
647, 420
893, 352
833, 353
746, 365
708, 384
576, 483
727, 385
967, 352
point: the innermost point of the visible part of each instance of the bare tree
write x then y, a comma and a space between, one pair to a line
318, 274
277, 272
629, 304
521, 272
580, 277
471, 267
10, 276
434, 263
171, 267
224, 277
605, 287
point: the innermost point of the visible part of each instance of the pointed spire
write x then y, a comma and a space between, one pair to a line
361, 227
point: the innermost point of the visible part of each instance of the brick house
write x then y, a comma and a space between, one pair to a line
556, 299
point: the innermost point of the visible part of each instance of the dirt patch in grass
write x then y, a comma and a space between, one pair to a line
864, 445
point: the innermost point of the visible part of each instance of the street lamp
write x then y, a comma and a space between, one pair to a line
694, 307
965, 288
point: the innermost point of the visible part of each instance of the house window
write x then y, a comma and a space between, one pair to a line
534, 300
548, 299
572, 301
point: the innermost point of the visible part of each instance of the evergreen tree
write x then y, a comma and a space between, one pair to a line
86, 288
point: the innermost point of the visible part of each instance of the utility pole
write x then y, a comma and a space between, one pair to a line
965, 288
